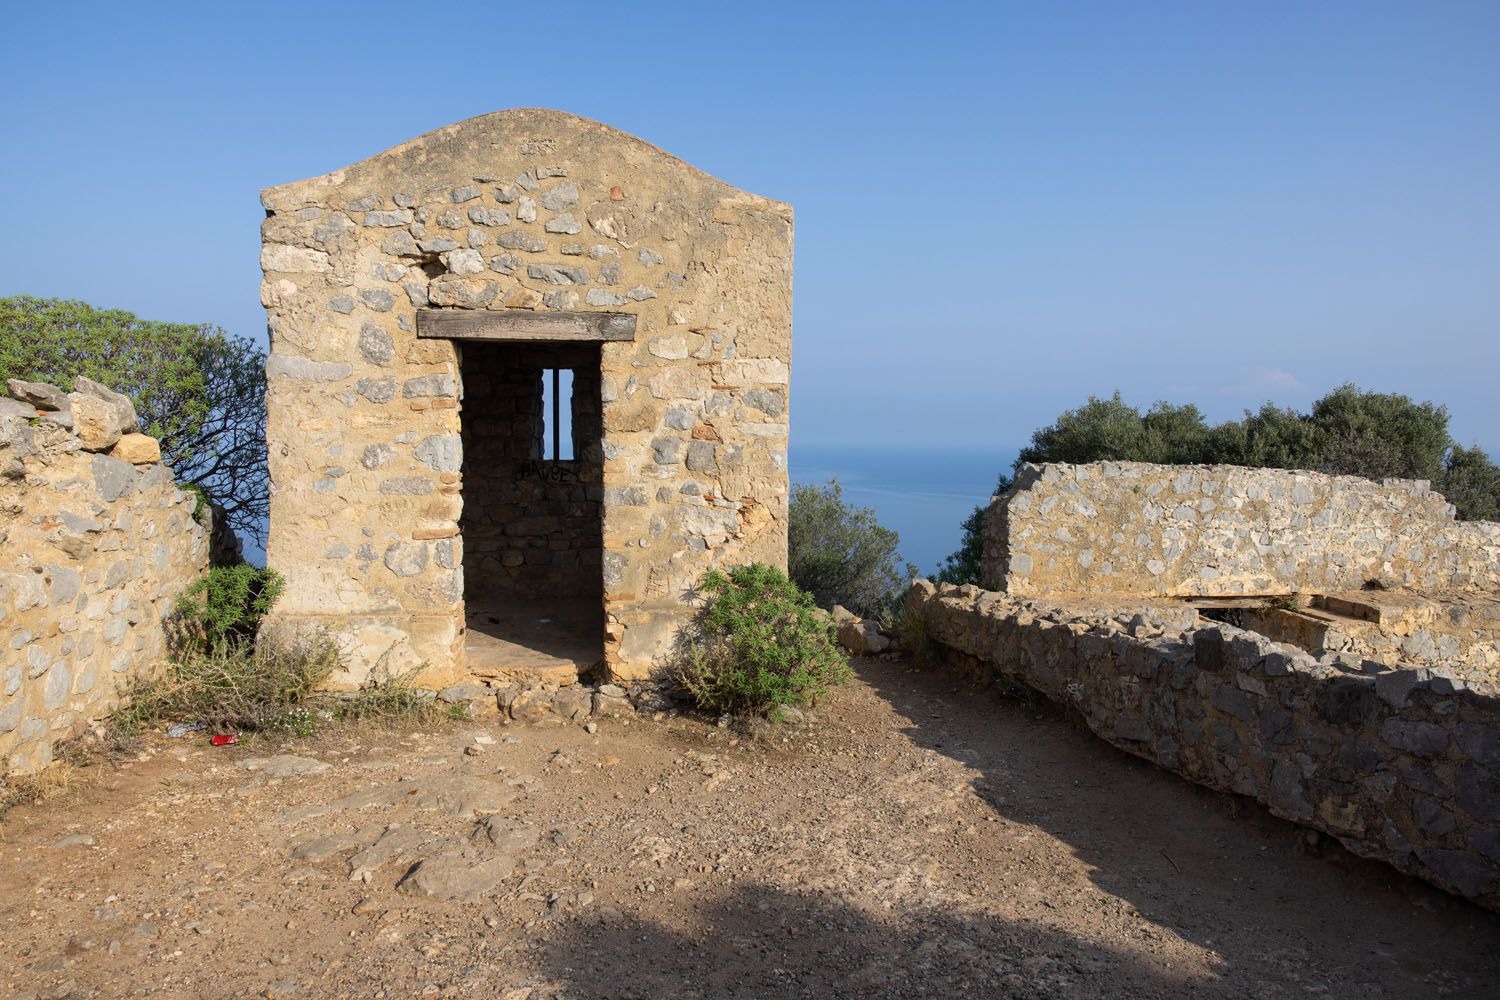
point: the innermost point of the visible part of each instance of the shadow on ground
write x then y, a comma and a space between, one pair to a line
763, 942
1215, 868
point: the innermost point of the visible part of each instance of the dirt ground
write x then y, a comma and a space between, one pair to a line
921, 839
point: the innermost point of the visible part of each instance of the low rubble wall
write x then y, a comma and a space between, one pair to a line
1222, 530
1401, 765
96, 544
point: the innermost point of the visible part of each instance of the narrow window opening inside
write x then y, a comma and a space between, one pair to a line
557, 414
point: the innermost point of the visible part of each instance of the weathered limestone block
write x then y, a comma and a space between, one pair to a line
95, 421
124, 409
137, 449
38, 394
862, 638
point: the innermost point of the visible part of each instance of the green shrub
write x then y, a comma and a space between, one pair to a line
840, 553
1471, 483
235, 685
759, 643
225, 607
296, 723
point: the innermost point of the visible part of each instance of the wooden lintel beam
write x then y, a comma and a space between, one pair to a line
524, 326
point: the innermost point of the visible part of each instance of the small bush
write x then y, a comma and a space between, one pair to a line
234, 686
759, 643
225, 607
29, 789
920, 646
295, 723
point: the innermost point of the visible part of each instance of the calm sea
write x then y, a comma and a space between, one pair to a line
921, 493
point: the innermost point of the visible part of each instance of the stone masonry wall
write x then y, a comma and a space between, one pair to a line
1223, 530
518, 210
1399, 765
531, 526
96, 544
1461, 634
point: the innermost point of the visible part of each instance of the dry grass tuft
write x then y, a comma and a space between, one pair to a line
235, 686
50, 782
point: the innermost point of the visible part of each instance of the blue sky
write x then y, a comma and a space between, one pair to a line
1001, 208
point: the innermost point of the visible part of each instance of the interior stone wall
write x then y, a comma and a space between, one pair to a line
517, 210
531, 527
96, 544
1459, 634
1124, 527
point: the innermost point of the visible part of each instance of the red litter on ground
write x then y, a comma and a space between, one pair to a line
225, 741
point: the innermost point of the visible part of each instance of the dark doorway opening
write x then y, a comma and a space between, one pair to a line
533, 486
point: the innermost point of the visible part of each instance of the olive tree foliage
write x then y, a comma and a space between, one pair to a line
841, 554
197, 389
1381, 435
1471, 482
1349, 432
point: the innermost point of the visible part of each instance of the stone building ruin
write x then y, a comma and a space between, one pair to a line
527, 383
1326, 645
1337, 565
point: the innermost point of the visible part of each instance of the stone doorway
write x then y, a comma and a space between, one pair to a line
533, 485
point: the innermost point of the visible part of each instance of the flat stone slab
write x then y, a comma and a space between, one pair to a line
461, 795
396, 843
508, 835
324, 846
284, 766
457, 875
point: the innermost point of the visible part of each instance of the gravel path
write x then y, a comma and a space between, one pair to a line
919, 839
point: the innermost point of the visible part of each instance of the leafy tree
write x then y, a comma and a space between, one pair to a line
1275, 437
841, 554
197, 389
1098, 430
1471, 482
1174, 435
1112, 430
1381, 435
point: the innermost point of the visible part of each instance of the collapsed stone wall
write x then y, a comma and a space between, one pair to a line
530, 526
1129, 527
96, 544
1398, 765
